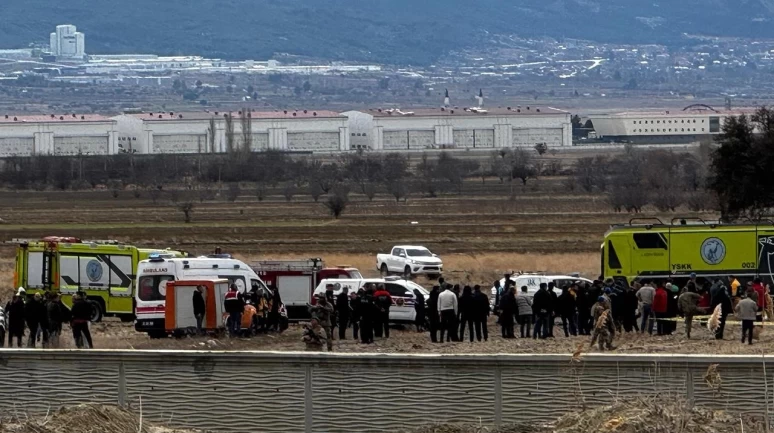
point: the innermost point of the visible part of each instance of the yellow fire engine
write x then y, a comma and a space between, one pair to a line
104, 270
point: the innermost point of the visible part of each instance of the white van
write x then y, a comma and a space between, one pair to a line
533, 282
153, 275
401, 291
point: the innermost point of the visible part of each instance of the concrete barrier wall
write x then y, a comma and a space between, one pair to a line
309, 392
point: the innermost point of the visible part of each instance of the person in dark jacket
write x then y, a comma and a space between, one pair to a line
584, 313
629, 307
367, 312
234, 305
507, 312
331, 298
274, 313
383, 302
541, 307
81, 315
568, 312
419, 310
432, 312
14, 313
498, 293
354, 312
466, 308
480, 312
342, 307
552, 309
199, 307
55, 316
36, 315
719, 296
672, 308
466, 312
616, 294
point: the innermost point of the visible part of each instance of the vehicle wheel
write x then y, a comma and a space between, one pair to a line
383, 270
97, 311
407, 273
154, 335
126, 318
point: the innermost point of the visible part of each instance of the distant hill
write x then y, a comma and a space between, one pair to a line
391, 31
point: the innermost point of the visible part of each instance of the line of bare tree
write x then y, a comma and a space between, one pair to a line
630, 181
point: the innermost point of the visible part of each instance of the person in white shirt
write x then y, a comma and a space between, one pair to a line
447, 307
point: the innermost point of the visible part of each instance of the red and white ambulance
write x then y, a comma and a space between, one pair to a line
154, 274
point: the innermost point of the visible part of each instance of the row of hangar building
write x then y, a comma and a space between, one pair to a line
286, 130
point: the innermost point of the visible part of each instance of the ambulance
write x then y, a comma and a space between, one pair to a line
651, 248
154, 274
104, 270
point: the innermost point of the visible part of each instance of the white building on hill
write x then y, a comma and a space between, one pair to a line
67, 42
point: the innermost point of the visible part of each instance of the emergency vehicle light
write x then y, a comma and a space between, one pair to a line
155, 257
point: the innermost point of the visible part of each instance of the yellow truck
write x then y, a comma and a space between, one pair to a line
104, 270
650, 248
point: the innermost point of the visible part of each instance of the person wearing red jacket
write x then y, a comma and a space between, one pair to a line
660, 308
383, 302
761, 291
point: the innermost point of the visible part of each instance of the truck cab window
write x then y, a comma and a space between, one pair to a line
650, 241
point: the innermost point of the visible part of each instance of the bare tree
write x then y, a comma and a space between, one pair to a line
261, 190
233, 191
522, 166
315, 191
289, 190
399, 188
211, 132
247, 130
187, 208
230, 138
154, 191
115, 186
427, 176
337, 201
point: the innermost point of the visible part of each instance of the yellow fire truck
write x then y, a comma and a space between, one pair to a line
104, 270
650, 248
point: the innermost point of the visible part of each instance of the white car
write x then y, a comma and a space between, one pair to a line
533, 281
409, 260
401, 291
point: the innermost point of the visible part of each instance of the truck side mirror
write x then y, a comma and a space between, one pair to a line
402, 255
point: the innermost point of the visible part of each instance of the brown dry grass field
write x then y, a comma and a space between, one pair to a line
481, 234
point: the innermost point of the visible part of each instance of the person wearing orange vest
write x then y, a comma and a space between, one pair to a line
234, 305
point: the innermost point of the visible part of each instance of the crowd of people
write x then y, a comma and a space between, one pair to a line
600, 310
266, 310
42, 318
603, 308
366, 311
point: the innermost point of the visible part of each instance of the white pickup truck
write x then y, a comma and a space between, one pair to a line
409, 260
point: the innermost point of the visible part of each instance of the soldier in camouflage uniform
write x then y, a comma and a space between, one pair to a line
323, 312
314, 336
604, 328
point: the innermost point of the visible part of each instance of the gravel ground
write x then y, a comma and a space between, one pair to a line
116, 335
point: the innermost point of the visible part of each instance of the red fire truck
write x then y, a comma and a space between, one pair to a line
297, 279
